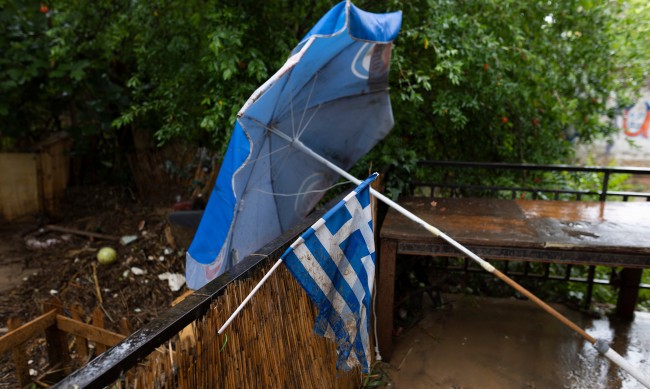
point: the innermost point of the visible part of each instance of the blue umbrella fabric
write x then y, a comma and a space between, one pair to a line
332, 96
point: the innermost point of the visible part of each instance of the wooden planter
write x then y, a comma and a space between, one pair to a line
59, 329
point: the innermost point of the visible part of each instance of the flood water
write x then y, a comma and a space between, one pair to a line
505, 343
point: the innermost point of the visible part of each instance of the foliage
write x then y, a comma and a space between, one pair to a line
482, 80
377, 378
512, 81
24, 92
103, 70
196, 63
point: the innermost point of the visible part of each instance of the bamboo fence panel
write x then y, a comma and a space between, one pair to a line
271, 344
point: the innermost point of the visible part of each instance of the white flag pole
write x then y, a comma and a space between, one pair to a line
250, 296
256, 288
241, 306
597, 343
295, 244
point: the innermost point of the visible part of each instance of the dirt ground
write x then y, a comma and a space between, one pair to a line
37, 264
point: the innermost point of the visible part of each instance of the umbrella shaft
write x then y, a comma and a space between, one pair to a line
436, 232
625, 365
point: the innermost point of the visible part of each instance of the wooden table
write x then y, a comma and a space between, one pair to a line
584, 233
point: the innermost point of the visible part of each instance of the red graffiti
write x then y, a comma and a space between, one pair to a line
643, 129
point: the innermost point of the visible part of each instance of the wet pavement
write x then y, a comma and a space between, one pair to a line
486, 343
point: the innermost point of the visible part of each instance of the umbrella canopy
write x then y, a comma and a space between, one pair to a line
331, 96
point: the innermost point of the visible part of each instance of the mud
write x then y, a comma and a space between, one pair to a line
37, 264
506, 343
14, 269
12, 274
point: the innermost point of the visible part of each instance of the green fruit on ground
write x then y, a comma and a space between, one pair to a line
106, 255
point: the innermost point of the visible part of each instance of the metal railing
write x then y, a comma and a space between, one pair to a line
450, 183
603, 193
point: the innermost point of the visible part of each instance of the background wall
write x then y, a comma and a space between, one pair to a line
631, 145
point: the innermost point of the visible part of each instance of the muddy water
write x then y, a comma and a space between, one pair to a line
12, 274
12, 271
502, 343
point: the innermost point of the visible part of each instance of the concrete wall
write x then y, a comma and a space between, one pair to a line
631, 145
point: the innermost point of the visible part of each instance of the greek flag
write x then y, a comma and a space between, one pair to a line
334, 261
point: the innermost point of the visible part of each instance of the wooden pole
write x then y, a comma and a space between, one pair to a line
98, 321
437, 233
57, 345
19, 356
80, 343
544, 306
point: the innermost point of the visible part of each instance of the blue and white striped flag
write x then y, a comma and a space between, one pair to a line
334, 261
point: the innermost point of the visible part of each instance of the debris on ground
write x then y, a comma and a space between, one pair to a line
40, 259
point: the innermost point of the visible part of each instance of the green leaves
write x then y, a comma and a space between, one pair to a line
511, 81
482, 80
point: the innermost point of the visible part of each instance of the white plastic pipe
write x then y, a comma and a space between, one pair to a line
436, 232
603, 348
249, 297
609, 353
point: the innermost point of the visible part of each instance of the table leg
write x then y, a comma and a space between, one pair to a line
385, 296
629, 292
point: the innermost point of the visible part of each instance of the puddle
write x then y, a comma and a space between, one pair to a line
12, 270
12, 274
505, 343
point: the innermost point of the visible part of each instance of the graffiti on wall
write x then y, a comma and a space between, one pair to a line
631, 144
635, 121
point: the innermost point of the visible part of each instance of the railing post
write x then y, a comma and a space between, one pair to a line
628, 293
590, 286
603, 192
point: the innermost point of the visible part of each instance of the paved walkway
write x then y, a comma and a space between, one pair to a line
506, 343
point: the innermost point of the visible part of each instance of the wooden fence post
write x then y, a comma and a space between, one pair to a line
98, 321
80, 343
19, 356
57, 345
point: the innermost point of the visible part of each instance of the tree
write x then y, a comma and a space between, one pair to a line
24, 91
187, 66
510, 81
481, 80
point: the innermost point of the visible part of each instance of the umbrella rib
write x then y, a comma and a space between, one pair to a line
302, 131
284, 160
268, 154
280, 134
290, 139
271, 129
305, 192
304, 111
258, 157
